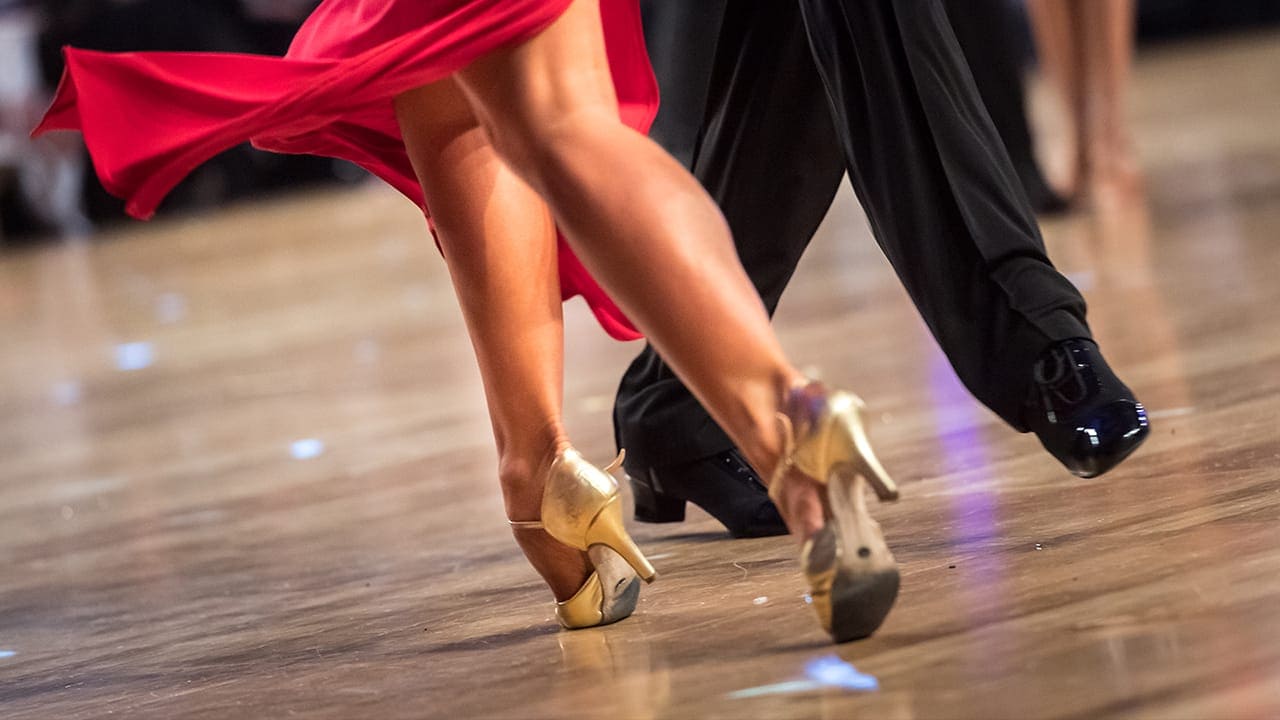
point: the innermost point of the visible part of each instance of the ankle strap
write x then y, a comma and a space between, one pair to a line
617, 462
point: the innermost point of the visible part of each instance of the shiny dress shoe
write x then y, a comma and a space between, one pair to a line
581, 507
853, 578
1084, 416
724, 485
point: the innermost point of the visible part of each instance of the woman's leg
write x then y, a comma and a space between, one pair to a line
1058, 28
645, 229
500, 246
1108, 58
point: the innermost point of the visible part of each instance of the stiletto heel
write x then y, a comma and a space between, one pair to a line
846, 411
853, 578
581, 508
653, 506
607, 529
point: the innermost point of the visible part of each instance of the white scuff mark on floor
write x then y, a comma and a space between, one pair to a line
134, 356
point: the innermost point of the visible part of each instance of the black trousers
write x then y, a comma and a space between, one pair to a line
989, 32
797, 95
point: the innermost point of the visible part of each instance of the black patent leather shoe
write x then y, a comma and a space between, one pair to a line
1084, 416
724, 485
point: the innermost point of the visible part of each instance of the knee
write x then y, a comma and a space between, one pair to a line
540, 146
525, 143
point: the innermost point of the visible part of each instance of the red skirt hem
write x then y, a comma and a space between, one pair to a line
150, 118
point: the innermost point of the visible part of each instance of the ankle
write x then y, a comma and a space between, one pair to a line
800, 501
804, 403
768, 445
522, 473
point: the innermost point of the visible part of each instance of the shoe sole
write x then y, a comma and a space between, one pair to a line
624, 603
619, 584
859, 605
864, 575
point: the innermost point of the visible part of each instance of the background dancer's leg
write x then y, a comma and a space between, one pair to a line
989, 32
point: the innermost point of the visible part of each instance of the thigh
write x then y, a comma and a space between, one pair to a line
480, 209
433, 119
524, 93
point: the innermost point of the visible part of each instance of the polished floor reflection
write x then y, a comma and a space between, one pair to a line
245, 472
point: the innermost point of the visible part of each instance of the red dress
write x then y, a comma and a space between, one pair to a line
150, 118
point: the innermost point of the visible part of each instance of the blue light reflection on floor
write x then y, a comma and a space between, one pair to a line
67, 393
306, 449
824, 673
831, 671
134, 356
974, 511
5, 654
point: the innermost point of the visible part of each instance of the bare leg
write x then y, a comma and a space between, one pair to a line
645, 229
1057, 25
500, 247
1108, 31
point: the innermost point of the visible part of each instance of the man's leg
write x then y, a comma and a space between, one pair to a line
988, 31
682, 38
948, 210
769, 156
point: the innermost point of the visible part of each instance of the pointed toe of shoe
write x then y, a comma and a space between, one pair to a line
1105, 437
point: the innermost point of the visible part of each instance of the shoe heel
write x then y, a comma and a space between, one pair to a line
608, 529
863, 458
653, 506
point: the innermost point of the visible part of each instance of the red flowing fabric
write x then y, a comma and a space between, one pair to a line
149, 118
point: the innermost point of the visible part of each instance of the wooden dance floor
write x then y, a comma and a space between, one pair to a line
246, 472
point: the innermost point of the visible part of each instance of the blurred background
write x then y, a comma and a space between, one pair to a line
233, 442
48, 190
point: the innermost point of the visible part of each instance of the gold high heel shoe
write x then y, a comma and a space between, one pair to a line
581, 508
853, 578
